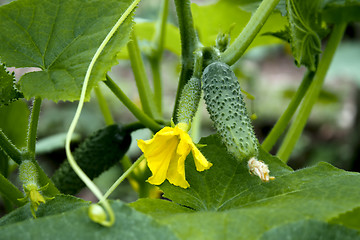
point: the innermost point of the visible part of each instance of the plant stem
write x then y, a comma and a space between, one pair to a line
189, 43
10, 149
104, 107
142, 82
156, 53
138, 113
11, 192
312, 94
33, 124
155, 69
285, 118
160, 31
122, 177
247, 35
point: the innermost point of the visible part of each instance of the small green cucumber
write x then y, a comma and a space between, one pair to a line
96, 154
189, 100
227, 110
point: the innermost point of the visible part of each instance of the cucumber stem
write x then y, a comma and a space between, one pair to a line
312, 94
104, 107
10, 149
156, 53
247, 35
142, 82
33, 124
138, 113
123, 176
285, 118
11, 192
189, 43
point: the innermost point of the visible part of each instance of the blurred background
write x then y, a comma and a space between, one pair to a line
266, 72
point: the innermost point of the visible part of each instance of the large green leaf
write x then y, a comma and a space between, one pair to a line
75, 224
223, 15
225, 184
304, 24
60, 38
227, 201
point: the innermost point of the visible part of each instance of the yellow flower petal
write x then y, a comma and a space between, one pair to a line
159, 153
200, 161
166, 153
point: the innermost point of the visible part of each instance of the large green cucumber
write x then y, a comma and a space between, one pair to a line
227, 110
96, 154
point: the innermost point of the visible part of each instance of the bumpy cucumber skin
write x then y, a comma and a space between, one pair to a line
189, 100
227, 110
96, 154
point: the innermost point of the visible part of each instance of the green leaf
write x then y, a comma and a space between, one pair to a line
60, 204
226, 15
75, 224
337, 11
60, 38
226, 200
304, 25
8, 90
311, 230
15, 122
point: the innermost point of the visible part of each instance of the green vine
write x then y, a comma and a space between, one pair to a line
245, 38
104, 107
312, 94
285, 118
138, 113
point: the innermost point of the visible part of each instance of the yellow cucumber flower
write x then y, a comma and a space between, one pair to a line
166, 153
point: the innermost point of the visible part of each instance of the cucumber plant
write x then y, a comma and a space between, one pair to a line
73, 45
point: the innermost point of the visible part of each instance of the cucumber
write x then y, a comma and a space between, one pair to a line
189, 100
227, 110
96, 154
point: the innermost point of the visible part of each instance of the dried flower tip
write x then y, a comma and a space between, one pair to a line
260, 169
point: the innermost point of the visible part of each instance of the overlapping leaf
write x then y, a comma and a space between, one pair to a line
8, 90
60, 38
304, 25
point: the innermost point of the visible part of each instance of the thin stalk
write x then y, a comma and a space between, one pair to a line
142, 82
155, 69
247, 35
122, 177
285, 118
33, 124
10, 149
156, 54
189, 43
160, 31
11, 192
138, 113
312, 94
104, 107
